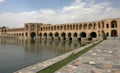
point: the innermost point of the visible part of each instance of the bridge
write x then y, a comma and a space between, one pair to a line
71, 31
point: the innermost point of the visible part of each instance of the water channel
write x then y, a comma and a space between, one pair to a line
16, 54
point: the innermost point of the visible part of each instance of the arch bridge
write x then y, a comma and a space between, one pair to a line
73, 31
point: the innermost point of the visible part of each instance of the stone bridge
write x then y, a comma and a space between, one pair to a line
71, 31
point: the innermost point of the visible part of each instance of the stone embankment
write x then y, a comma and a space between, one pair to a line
40, 66
104, 58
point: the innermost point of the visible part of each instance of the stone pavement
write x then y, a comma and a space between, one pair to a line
104, 58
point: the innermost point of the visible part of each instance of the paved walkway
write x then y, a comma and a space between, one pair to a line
104, 58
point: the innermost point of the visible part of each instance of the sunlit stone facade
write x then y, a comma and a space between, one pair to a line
73, 31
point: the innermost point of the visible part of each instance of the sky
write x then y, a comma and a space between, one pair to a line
14, 13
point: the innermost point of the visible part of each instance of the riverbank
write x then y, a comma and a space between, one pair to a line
56, 66
104, 58
40, 66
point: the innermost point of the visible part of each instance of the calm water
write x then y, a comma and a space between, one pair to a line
16, 54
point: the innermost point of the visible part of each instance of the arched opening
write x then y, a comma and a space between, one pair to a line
51, 35
83, 35
40, 35
93, 35
45, 35
75, 34
107, 25
69, 36
73, 26
68, 27
32, 35
107, 34
80, 26
63, 35
114, 33
56, 34
90, 26
114, 24
19, 34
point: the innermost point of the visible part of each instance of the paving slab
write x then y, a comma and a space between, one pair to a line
103, 58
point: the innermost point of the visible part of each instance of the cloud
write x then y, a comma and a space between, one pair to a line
78, 11
2, 1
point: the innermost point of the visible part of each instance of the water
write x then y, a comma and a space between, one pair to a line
16, 54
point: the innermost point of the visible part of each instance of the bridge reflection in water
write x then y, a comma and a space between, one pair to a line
16, 54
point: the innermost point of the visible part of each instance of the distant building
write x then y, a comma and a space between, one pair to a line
73, 31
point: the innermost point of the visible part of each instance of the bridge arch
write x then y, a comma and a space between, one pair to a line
83, 34
63, 35
50, 34
93, 35
56, 34
75, 35
32, 34
114, 33
45, 35
40, 34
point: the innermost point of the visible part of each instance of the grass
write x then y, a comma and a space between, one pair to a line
58, 65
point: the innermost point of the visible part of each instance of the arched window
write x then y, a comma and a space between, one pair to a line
99, 25
90, 26
85, 26
80, 26
114, 24
107, 25
67, 27
64, 27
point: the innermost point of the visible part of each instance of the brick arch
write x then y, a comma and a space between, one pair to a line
85, 26
114, 24
90, 26
45, 35
75, 34
32, 34
83, 34
40, 34
56, 34
114, 33
93, 34
50, 34
63, 34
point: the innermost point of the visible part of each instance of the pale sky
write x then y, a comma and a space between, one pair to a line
14, 13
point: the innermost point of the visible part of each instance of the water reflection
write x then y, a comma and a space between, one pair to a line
16, 54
